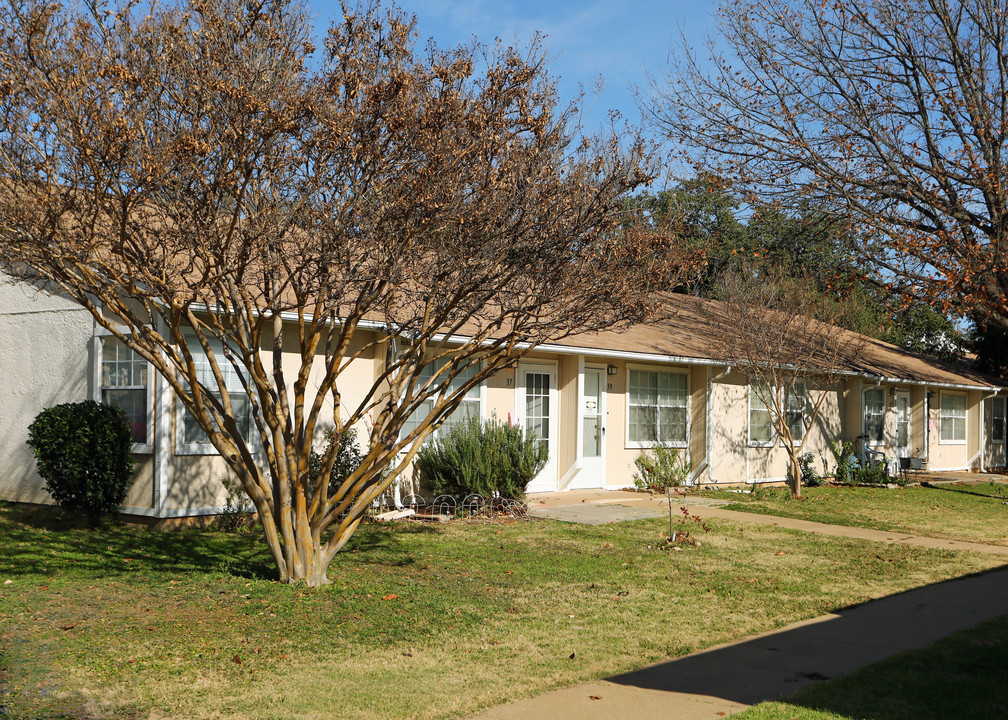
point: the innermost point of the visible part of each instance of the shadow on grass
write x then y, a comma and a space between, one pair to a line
998, 494
958, 677
42, 541
776, 664
374, 544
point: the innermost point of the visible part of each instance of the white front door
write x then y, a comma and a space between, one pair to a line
996, 454
592, 419
537, 410
902, 447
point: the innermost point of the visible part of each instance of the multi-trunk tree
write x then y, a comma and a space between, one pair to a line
254, 219
892, 114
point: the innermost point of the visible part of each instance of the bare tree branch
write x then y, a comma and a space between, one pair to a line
890, 112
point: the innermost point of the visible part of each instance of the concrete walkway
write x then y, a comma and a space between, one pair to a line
599, 507
728, 678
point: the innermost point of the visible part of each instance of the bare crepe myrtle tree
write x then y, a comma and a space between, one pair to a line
255, 218
781, 335
890, 113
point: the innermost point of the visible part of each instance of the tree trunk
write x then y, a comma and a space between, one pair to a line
794, 478
307, 562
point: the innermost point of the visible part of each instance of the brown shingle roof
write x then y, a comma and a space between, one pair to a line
686, 334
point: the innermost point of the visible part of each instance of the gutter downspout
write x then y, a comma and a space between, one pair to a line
707, 422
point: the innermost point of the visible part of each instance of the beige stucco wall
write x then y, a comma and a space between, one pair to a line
499, 394
973, 420
852, 415
568, 384
698, 416
619, 465
735, 460
828, 424
44, 352
728, 429
195, 480
948, 455
141, 492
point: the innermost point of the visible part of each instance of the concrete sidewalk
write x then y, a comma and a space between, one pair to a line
728, 678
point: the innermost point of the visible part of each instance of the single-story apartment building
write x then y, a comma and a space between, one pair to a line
588, 396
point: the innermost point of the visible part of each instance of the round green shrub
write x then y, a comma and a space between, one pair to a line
83, 454
474, 456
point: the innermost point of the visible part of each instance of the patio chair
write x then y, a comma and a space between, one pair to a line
876, 456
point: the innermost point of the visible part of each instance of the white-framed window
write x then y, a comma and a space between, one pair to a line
952, 416
190, 438
656, 408
125, 383
795, 410
761, 431
874, 415
997, 420
470, 406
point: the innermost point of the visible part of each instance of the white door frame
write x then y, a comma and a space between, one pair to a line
546, 480
909, 417
592, 473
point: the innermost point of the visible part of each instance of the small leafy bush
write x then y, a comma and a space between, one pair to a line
873, 473
83, 452
662, 468
843, 454
806, 466
476, 456
348, 458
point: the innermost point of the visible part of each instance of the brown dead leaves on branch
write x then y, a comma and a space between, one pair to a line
207, 189
893, 113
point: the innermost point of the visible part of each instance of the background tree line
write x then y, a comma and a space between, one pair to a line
825, 253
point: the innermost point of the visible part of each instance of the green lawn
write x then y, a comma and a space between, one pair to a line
977, 512
962, 676
418, 621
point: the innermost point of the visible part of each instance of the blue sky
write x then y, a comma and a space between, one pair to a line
619, 41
